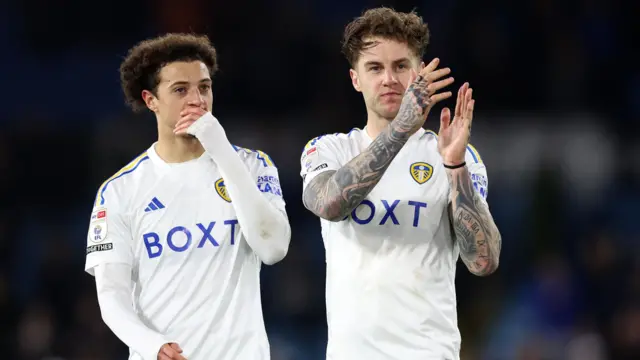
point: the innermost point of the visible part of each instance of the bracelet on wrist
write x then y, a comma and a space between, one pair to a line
455, 166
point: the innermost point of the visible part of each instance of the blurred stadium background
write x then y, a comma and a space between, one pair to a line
558, 89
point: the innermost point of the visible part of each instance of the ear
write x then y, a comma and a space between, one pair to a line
355, 81
150, 100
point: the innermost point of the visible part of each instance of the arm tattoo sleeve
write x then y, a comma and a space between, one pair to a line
477, 234
334, 194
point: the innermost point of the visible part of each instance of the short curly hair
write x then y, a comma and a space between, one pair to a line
140, 70
386, 23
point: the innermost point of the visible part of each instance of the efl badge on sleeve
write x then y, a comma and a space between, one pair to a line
421, 172
221, 189
98, 225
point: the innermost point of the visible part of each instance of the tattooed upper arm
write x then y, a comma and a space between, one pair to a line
314, 196
332, 195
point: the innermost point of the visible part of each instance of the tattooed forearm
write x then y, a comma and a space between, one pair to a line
334, 194
476, 232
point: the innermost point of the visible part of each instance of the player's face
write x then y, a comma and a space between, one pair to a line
182, 85
382, 73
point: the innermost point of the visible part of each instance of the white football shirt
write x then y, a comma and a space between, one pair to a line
195, 277
391, 263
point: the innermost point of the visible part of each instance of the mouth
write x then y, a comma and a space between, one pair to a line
390, 94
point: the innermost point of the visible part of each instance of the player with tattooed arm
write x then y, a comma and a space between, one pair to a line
398, 204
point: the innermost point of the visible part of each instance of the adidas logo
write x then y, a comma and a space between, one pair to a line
155, 204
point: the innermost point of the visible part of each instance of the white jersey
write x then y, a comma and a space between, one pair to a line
196, 280
391, 263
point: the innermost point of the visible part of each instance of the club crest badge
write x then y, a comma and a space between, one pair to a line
421, 172
221, 189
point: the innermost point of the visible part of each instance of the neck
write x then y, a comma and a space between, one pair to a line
173, 148
376, 124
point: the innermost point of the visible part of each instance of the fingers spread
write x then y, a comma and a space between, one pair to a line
465, 101
439, 97
460, 100
435, 75
430, 67
469, 115
433, 87
445, 118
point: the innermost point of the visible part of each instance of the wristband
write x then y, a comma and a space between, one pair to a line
455, 166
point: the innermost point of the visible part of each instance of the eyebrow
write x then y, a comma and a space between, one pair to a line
205, 80
395, 62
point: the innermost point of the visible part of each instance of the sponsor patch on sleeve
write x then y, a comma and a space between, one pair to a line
269, 184
480, 184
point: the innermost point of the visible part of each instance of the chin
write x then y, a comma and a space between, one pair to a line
388, 114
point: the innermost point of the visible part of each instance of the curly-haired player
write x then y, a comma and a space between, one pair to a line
177, 237
398, 204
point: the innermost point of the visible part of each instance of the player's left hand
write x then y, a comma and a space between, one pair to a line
188, 116
453, 136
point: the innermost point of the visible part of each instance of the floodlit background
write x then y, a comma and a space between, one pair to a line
558, 103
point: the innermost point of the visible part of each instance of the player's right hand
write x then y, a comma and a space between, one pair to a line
170, 351
421, 94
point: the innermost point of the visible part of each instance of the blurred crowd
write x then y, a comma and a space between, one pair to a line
558, 103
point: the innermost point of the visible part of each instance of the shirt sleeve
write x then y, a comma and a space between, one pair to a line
477, 171
109, 238
114, 287
319, 155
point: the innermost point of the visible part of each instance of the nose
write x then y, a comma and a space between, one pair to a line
195, 98
390, 78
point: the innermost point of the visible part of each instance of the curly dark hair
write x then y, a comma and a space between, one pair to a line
386, 23
140, 70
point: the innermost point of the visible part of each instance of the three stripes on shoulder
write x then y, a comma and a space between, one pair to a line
155, 204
